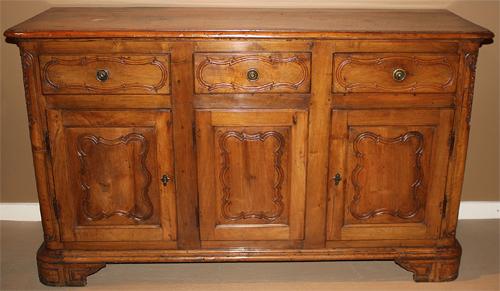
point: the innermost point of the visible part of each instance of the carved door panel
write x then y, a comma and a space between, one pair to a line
108, 170
388, 171
251, 169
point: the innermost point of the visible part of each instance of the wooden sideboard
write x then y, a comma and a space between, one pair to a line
222, 135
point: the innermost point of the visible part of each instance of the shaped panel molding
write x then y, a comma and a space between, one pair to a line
374, 73
107, 201
360, 189
277, 198
123, 74
239, 73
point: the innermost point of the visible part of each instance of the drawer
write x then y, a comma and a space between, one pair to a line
145, 74
252, 72
395, 72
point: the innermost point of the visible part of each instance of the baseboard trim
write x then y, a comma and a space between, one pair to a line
20, 211
468, 210
479, 210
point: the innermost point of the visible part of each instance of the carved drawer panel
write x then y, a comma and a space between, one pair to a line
251, 73
105, 74
389, 72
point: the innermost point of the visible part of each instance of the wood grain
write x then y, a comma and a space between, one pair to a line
42, 162
223, 23
460, 139
184, 146
374, 73
252, 178
108, 174
208, 143
228, 73
319, 132
125, 74
373, 150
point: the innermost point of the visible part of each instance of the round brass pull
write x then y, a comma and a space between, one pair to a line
252, 75
399, 75
102, 75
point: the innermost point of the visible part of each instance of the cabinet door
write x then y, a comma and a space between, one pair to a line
391, 170
108, 170
251, 168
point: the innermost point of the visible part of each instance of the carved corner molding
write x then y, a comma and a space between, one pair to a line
38, 143
470, 60
272, 60
277, 197
380, 61
143, 208
86, 60
27, 60
353, 206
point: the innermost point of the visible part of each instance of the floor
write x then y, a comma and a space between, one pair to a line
479, 269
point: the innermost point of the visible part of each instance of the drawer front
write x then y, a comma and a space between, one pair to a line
105, 74
251, 73
389, 72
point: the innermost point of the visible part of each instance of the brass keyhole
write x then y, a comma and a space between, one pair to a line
337, 179
165, 179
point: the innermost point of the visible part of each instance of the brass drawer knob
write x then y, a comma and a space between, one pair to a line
399, 75
252, 75
102, 75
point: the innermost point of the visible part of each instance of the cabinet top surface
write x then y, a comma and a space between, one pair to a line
138, 22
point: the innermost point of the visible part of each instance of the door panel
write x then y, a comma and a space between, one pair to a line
251, 174
107, 174
392, 167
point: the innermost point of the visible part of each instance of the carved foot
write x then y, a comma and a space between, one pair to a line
431, 270
444, 267
53, 272
66, 274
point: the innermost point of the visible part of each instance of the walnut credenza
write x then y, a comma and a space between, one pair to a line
221, 135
